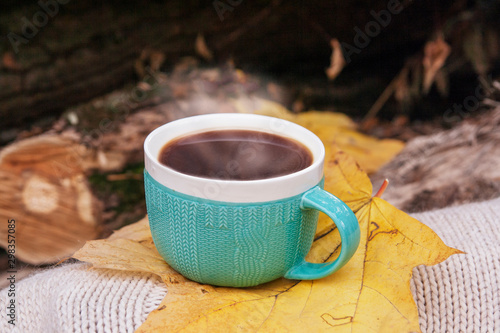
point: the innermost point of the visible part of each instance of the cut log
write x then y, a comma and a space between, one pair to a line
44, 190
448, 168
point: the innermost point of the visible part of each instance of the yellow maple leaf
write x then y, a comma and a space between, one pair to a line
370, 294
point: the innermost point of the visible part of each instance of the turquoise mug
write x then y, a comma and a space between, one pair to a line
242, 233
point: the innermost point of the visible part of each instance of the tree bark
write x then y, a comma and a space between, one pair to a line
447, 168
85, 51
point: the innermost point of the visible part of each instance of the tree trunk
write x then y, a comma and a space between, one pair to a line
85, 51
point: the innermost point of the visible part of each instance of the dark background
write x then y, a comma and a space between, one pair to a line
88, 49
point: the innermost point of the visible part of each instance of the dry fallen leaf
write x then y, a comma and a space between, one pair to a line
131, 248
9, 61
337, 60
435, 54
200, 46
149, 61
370, 294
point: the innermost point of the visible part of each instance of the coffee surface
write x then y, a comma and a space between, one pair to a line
235, 155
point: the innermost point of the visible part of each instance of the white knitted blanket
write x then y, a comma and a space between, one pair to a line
458, 295
462, 294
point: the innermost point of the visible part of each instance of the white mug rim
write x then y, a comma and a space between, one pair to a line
243, 191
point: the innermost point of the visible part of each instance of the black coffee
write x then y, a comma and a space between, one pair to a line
235, 155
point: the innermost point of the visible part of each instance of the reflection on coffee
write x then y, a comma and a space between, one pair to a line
235, 155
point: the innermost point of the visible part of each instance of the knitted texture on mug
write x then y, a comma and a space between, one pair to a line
228, 244
459, 295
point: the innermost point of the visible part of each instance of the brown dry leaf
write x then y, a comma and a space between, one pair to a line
371, 293
9, 61
435, 54
131, 249
332, 128
337, 60
149, 60
200, 46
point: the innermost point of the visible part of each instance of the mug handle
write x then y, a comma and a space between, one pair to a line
347, 224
